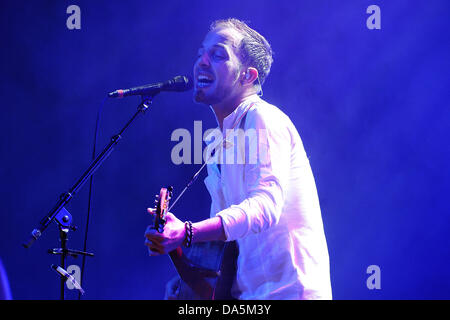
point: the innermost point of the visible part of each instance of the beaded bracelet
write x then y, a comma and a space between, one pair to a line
189, 234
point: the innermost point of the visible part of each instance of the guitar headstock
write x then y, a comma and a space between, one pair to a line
162, 207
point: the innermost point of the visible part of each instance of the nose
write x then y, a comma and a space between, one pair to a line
203, 60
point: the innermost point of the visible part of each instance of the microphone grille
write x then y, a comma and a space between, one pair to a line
180, 83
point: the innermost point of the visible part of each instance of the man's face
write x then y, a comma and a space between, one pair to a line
217, 68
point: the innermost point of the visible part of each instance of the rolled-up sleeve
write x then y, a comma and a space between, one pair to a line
265, 177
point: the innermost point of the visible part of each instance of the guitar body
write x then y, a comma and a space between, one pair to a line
206, 269
215, 269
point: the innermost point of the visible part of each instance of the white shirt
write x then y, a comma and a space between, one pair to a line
270, 206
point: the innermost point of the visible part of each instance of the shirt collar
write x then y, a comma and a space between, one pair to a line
230, 120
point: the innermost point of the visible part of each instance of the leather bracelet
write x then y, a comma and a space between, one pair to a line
189, 234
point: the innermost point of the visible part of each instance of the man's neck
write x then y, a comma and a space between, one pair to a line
223, 110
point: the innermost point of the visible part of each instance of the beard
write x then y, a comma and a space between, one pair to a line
213, 95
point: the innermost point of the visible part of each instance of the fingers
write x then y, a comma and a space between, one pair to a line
153, 253
152, 211
153, 248
157, 242
153, 235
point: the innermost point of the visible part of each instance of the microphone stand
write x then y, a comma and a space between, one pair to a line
64, 221
60, 215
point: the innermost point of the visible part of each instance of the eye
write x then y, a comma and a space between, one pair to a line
200, 52
217, 55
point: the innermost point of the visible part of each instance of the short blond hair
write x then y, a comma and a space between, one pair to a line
254, 49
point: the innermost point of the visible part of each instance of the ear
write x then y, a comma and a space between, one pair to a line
249, 76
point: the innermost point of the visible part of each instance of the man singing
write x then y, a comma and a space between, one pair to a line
269, 206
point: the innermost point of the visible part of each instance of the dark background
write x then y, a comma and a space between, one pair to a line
371, 107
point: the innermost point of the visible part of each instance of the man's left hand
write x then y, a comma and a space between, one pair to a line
171, 238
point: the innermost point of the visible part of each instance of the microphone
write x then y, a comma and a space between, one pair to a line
178, 84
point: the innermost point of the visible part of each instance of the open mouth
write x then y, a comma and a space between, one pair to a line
204, 80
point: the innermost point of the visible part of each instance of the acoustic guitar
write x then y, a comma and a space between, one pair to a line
206, 269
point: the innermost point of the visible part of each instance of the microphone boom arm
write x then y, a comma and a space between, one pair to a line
93, 167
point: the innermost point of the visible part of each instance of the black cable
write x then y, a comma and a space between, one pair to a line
97, 124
